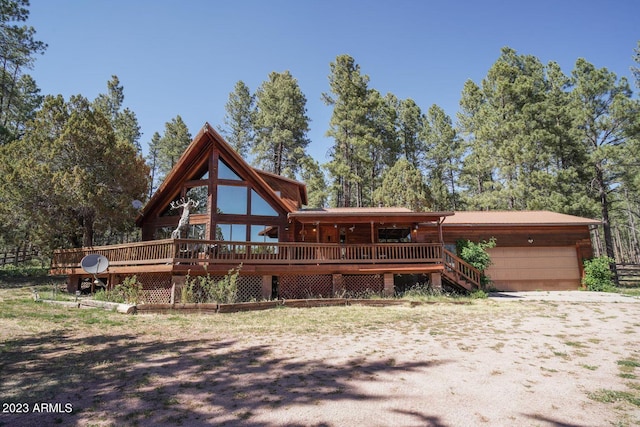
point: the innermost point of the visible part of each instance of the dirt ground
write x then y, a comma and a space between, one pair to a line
533, 359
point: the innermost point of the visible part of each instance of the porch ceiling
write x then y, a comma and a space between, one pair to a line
365, 216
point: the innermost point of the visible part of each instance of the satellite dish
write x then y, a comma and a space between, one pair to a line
137, 204
94, 263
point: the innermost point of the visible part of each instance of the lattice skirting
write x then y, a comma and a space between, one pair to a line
156, 288
249, 288
294, 287
363, 285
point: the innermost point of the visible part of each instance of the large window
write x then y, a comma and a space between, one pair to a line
201, 196
232, 200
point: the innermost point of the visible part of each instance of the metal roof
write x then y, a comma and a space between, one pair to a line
488, 218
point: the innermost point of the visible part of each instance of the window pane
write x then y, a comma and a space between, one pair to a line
259, 206
225, 172
200, 195
394, 235
204, 174
231, 232
196, 231
264, 233
170, 211
163, 233
232, 200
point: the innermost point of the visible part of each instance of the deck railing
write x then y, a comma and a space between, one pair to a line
461, 271
128, 254
211, 252
185, 251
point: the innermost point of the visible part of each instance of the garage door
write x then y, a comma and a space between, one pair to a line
531, 268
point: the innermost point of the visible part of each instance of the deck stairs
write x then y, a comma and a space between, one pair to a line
460, 274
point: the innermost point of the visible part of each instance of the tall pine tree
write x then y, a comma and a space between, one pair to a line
609, 121
442, 158
238, 120
281, 125
174, 141
350, 128
19, 95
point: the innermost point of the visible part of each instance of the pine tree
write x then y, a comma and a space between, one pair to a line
312, 176
238, 119
19, 95
636, 70
281, 125
443, 156
174, 141
609, 121
350, 127
478, 164
381, 143
152, 162
124, 121
403, 186
410, 132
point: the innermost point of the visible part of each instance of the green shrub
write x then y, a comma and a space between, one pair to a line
205, 289
598, 276
476, 254
479, 294
129, 291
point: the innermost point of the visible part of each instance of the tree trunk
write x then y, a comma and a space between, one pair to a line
606, 224
88, 220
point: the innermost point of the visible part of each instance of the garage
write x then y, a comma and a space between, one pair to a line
534, 268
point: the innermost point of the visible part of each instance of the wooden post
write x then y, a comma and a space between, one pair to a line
338, 285
267, 287
388, 285
177, 282
72, 283
436, 280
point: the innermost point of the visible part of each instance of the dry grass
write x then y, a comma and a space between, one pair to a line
251, 368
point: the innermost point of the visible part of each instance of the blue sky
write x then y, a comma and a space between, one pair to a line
184, 57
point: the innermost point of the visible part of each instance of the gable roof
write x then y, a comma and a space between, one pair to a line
524, 218
194, 157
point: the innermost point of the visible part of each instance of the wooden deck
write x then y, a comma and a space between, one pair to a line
182, 255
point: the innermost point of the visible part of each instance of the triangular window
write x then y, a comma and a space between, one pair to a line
225, 172
203, 173
259, 206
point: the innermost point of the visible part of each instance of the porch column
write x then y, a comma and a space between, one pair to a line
177, 282
436, 280
267, 282
72, 283
388, 285
440, 221
338, 285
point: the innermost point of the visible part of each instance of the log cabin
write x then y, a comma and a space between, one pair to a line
246, 217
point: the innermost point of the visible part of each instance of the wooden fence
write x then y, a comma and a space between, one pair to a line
17, 255
628, 274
